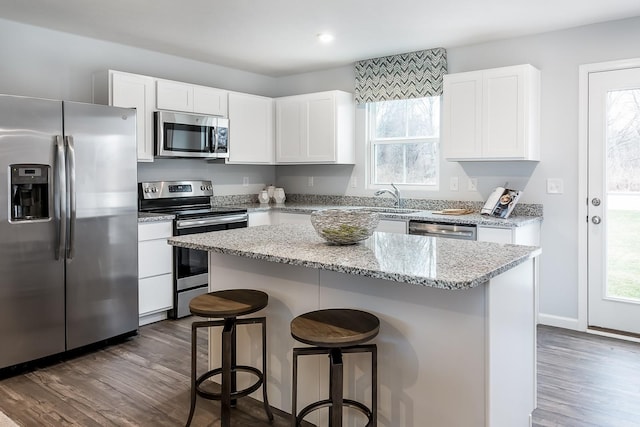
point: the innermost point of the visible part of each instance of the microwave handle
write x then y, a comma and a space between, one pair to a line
214, 139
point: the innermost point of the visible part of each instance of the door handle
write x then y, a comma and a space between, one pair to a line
71, 171
60, 197
596, 219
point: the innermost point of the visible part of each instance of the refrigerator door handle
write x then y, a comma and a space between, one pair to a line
59, 196
71, 171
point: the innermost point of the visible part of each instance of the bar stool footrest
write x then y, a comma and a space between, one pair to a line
327, 403
236, 394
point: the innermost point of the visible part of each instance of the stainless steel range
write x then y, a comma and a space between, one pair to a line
190, 202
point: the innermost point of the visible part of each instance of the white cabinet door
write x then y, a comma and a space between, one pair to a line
320, 129
155, 294
528, 234
250, 129
130, 91
492, 114
290, 114
462, 115
290, 218
259, 218
208, 100
155, 270
392, 226
315, 128
174, 96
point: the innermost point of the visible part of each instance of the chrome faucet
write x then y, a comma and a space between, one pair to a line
395, 193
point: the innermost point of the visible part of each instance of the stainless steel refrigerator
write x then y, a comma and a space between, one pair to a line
68, 226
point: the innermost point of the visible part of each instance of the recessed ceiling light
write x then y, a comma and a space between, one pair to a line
325, 37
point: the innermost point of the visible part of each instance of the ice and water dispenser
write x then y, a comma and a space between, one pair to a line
29, 192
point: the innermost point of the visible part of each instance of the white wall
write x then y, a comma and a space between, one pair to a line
557, 55
50, 64
44, 63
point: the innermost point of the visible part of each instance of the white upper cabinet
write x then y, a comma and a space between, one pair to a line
130, 91
209, 100
315, 128
178, 96
492, 114
250, 129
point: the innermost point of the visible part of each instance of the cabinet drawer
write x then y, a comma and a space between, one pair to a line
154, 258
155, 294
154, 230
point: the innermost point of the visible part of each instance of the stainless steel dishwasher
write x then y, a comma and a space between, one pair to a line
439, 229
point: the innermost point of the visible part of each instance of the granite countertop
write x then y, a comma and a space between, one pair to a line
418, 260
411, 214
154, 217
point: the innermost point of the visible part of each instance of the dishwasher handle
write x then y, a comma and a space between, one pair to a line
451, 231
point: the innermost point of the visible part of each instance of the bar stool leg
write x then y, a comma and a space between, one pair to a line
265, 400
194, 346
234, 376
294, 392
374, 385
336, 388
225, 401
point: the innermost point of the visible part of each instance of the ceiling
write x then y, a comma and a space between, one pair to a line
278, 37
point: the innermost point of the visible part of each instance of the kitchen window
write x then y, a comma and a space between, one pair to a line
403, 142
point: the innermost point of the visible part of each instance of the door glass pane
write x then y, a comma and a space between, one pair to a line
623, 194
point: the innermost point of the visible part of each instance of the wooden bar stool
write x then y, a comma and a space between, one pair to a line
336, 332
228, 305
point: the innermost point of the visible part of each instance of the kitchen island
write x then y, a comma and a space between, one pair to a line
457, 336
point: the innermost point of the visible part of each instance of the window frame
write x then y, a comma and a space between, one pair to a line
370, 153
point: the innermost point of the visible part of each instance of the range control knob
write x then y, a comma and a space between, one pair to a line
147, 189
154, 189
209, 187
202, 187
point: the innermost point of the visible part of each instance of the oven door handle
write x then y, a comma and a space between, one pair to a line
226, 219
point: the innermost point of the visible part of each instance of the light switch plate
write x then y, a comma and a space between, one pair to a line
473, 184
310, 182
555, 186
245, 181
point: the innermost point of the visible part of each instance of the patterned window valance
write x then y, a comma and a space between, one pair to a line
408, 75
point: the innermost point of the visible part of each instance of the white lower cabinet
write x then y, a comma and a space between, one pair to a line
290, 218
528, 234
392, 226
260, 218
155, 271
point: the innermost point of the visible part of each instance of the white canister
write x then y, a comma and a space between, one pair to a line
263, 196
271, 190
278, 195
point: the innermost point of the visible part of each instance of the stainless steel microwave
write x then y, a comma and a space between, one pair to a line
191, 135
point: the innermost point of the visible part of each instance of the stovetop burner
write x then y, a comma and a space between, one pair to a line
184, 199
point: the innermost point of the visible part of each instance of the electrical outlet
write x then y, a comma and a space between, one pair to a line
473, 184
354, 181
453, 183
245, 181
555, 186
310, 182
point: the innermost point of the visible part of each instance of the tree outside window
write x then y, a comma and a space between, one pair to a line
404, 136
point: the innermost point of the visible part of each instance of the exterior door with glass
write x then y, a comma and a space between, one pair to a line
614, 200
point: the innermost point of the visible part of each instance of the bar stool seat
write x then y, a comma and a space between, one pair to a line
228, 305
335, 332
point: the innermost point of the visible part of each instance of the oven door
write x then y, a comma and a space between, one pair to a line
185, 135
191, 265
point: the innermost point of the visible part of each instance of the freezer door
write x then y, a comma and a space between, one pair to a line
31, 279
102, 256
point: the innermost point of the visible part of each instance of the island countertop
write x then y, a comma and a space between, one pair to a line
419, 260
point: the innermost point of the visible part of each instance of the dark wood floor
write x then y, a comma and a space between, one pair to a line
586, 380
583, 380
